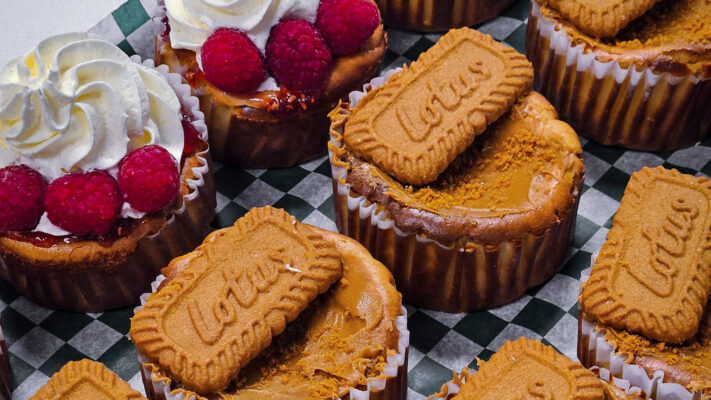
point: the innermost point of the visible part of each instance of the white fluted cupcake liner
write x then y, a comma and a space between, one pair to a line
595, 351
613, 103
68, 287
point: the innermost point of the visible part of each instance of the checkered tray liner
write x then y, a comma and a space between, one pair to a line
41, 341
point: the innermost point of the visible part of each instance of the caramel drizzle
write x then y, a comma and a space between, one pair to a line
678, 226
449, 95
241, 289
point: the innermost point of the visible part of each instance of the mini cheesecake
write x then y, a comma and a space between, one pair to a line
275, 127
496, 222
350, 339
646, 87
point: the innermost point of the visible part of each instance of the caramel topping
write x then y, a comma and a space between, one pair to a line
427, 114
340, 340
86, 379
653, 274
236, 292
491, 176
528, 369
602, 18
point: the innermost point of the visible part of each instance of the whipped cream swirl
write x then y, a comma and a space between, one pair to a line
78, 103
193, 21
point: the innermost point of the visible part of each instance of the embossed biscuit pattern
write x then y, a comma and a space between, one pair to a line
239, 341
602, 18
106, 384
665, 293
417, 154
546, 374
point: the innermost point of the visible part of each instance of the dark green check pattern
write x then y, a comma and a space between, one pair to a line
41, 341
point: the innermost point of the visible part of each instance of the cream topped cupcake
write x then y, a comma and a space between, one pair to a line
97, 153
268, 72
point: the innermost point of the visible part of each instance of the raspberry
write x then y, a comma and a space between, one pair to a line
298, 57
232, 62
84, 203
347, 24
190, 134
22, 192
148, 178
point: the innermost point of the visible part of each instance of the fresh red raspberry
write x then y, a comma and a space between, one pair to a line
347, 24
22, 192
84, 203
232, 62
298, 57
148, 178
190, 134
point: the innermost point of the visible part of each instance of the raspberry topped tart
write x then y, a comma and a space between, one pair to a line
104, 173
268, 72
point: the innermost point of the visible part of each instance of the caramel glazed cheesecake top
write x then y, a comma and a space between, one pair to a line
523, 172
673, 36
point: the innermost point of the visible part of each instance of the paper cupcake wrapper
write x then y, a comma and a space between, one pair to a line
437, 15
120, 285
5, 378
595, 351
443, 277
250, 141
392, 385
614, 104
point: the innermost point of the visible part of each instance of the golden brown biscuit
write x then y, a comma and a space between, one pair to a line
426, 115
653, 274
86, 379
602, 18
528, 369
239, 289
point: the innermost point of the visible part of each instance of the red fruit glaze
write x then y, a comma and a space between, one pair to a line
346, 24
298, 57
232, 62
148, 178
22, 193
190, 134
87, 203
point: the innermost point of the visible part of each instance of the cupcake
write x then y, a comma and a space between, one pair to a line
306, 313
498, 216
644, 305
5, 377
86, 379
635, 74
105, 174
439, 15
268, 73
